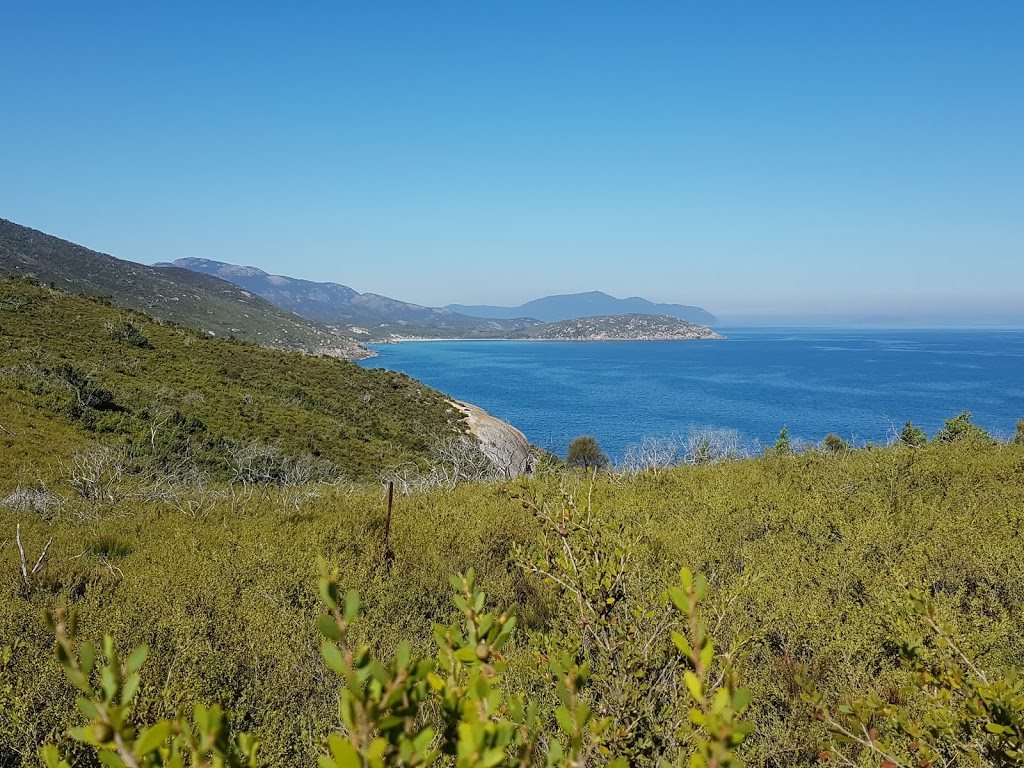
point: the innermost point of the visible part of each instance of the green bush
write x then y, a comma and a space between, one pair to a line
833, 444
585, 452
961, 429
782, 444
912, 436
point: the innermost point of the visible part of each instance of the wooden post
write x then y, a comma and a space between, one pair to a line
387, 523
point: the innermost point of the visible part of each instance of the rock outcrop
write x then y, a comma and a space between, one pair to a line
505, 446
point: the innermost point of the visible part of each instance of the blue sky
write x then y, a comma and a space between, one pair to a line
753, 158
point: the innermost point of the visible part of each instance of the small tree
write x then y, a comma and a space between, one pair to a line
585, 452
1018, 439
960, 428
782, 445
912, 436
833, 444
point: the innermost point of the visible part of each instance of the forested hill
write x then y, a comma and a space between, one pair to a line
179, 295
77, 370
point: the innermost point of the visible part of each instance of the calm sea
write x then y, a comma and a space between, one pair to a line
860, 384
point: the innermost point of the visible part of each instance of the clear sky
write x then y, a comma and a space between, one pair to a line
749, 157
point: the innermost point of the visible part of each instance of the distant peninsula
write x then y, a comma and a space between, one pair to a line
618, 328
633, 327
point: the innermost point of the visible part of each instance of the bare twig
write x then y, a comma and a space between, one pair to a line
39, 563
25, 573
24, 565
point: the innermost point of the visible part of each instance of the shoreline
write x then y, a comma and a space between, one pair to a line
417, 339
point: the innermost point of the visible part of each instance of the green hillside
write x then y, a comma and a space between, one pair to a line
178, 295
809, 559
76, 370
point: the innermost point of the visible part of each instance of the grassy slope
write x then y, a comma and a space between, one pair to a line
179, 295
190, 386
227, 601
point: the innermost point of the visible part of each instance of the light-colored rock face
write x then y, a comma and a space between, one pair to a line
506, 447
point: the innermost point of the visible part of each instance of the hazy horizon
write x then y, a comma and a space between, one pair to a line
796, 161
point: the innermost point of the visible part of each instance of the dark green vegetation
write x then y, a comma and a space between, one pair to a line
177, 295
146, 398
810, 559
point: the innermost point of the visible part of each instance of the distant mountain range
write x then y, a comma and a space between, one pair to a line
340, 305
553, 309
182, 296
225, 299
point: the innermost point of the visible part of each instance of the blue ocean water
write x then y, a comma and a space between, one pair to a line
860, 384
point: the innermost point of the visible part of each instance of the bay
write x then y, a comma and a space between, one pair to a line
861, 384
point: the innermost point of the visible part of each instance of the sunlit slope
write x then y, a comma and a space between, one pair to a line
178, 295
74, 370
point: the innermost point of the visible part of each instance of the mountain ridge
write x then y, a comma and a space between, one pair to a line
178, 295
337, 304
570, 306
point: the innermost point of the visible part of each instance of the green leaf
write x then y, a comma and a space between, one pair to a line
682, 644
707, 654
351, 604
108, 683
153, 738
680, 599
50, 756
333, 658
327, 593
565, 721
136, 659
344, 754
131, 685
87, 657
328, 627
111, 760
700, 586
742, 699
686, 578
88, 708
78, 680
693, 685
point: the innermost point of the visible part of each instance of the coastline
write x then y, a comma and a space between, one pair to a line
720, 337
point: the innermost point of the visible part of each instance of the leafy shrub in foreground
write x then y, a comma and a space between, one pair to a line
952, 711
831, 542
387, 709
